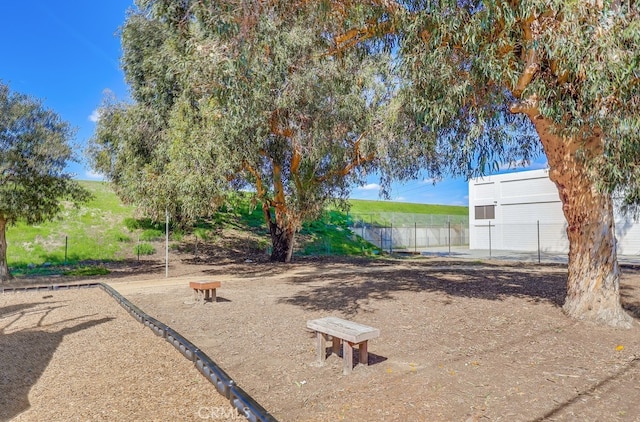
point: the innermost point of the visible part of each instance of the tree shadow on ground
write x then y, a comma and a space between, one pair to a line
630, 297
346, 292
34, 348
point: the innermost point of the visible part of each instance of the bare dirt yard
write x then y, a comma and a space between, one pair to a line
460, 341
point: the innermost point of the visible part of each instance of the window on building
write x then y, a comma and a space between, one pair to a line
485, 212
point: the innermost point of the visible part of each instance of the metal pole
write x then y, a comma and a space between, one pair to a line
538, 241
391, 239
415, 237
66, 248
449, 224
166, 244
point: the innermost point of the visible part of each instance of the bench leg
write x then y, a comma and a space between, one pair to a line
321, 349
210, 295
347, 357
363, 353
197, 295
335, 345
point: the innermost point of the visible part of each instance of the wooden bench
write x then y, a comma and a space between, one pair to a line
347, 332
204, 291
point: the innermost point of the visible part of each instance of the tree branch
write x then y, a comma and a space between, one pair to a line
358, 159
532, 63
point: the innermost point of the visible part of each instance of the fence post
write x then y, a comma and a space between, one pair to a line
66, 248
449, 235
538, 241
391, 239
415, 237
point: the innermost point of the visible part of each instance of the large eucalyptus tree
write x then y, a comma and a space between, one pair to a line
476, 69
239, 94
34, 153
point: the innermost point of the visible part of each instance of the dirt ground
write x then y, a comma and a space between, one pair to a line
460, 340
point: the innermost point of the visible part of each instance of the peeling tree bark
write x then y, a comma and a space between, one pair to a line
5, 275
593, 280
282, 236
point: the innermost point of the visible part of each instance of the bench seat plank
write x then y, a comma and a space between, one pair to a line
346, 330
204, 285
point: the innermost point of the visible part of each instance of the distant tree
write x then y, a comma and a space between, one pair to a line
476, 72
34, 151
234, 95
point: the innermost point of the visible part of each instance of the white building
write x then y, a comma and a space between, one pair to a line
522, 211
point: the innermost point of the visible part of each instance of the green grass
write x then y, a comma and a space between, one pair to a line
105, 230
93, 231
359, 206
331, 236
385, 213
144, 249
150, 235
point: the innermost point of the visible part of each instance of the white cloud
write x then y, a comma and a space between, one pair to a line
93, 175
95, 116
370, 186
429, 181
511, 165
537, 166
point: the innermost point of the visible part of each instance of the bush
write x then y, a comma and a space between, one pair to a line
131, 224
150, 235
123, 238
201, 234
176, 235
144, 249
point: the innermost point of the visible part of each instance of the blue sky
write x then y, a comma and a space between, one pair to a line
67, 54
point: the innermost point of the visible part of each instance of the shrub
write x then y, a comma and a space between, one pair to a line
144, 249
120, 237
176, 235
151, 234
131, 223
201, 234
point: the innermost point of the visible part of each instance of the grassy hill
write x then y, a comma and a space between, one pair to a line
93, 231
359, 206
106, 230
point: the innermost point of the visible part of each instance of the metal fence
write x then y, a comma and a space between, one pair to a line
543, 237
404, 232
538, 236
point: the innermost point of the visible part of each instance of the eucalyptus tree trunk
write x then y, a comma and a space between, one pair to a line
5, 275
593, 292
282, 236
282, 241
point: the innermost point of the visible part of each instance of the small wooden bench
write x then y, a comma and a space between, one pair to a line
347, 332
204, 291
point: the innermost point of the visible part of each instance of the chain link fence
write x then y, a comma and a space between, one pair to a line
405, 232
544, 237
